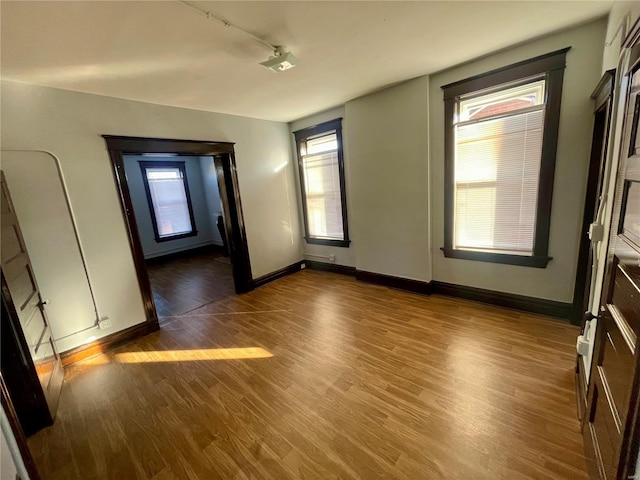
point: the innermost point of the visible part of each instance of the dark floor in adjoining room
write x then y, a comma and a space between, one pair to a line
318, 376
184, 283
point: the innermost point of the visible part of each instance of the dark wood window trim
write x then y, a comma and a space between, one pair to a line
144, 166
301, 136
550, 67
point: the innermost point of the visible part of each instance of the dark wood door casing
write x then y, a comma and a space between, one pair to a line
232, 209
223, 155
612, 433
603, 99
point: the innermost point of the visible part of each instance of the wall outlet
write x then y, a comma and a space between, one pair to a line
303, 266
332, 258
104, 323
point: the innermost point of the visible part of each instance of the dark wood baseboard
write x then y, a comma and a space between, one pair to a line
283, 272
415, 286
508, 300
106, 343
540, 306
201, 250
330, 267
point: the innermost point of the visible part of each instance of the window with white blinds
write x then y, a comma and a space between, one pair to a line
500, 147
169, 201
322, 184
497, 164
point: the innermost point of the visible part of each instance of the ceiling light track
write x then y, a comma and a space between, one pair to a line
280, 60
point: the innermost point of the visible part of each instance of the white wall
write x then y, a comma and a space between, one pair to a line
56, 261
70, 125
8, 468
556, 282
388, 152
11, 462
320, 253
202, 218
622, 17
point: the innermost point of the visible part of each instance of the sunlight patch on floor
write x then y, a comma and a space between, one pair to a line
157, 356
192, 355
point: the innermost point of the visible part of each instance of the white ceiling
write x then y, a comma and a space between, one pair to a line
167, 53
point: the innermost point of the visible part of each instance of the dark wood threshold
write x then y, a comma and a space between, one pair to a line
283, 272
106, 343
330, 267
192, 252
415, 286
540, 306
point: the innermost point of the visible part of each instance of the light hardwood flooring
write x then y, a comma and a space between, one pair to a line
317, 376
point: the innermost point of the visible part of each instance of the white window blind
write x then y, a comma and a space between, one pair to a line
169, 197
497, 168
323, 199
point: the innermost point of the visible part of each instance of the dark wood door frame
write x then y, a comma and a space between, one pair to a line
224, 159
616, 360
603, 104
18, 432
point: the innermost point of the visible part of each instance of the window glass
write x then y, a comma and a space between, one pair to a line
168, 197
322, 182
169, 201
496, 183
502, 101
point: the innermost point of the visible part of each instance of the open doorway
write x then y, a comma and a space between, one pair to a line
182, 210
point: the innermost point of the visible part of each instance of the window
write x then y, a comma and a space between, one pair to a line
169, 201
321, 170
501, 131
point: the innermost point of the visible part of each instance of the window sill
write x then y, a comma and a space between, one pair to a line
536, 261
177, 237
327, 242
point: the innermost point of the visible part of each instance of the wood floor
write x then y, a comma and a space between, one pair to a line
317, 376
190, 281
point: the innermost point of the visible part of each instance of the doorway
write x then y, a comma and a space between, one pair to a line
166, 158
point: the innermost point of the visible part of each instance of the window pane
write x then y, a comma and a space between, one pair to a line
503, 101
325, 143
323, 199
497, 167
169, 198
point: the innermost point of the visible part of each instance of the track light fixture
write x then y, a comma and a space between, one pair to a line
280, 60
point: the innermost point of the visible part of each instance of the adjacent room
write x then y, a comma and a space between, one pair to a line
308, 239
178, 211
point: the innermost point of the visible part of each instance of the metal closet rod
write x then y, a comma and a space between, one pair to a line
65, 191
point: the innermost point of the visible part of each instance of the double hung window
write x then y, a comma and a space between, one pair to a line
501, 134
169, 202
321, 167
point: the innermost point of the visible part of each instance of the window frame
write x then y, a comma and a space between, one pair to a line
550, 67
301, 136
180, 165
